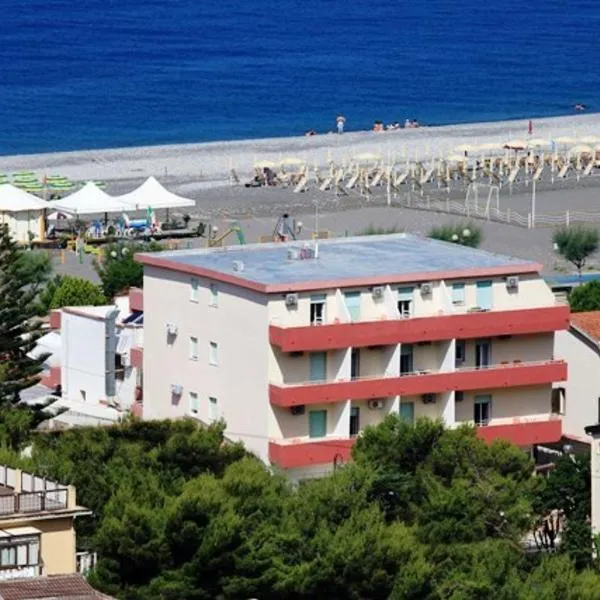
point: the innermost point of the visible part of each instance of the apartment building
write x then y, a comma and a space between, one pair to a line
299, 347
37, 529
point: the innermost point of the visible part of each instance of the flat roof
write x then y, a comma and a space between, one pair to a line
341, 262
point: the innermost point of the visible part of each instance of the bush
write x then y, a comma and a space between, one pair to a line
373, 230
585, 297
464, 234
76, 291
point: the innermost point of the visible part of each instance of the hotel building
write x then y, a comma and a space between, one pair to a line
298, 347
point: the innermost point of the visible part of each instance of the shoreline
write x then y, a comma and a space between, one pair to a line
208, 164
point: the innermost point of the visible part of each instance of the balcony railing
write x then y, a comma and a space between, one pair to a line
439, 327
516, 374
34, 502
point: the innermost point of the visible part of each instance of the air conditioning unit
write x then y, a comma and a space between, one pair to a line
176, 389
291, 300
298, 410
238, 265
512, 283
375, 404
428, 398
426, 289
172, 329
377, 292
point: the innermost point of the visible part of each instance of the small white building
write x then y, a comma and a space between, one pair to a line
578, 398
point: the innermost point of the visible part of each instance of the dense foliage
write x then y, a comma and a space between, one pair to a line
18, 337
76, 291
576, 244
422, 513
585, 297
117, 268
464, 234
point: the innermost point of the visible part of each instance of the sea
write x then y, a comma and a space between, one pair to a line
82, 74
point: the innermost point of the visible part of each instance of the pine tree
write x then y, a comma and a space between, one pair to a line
18, 337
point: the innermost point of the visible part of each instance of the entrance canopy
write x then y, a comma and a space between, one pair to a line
89, 200
151, 194
13, 199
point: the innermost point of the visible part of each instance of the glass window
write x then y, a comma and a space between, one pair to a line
8, 556
194, 406
213, 409
194, 289
406, 359
458, 294
482, 409
22, 558
483, 354
484, 295
354, 421
194, 348
318, 366
353, 305
407, 411
213, 357
214, 295
317, 423
460, 352
405, 301
317, 309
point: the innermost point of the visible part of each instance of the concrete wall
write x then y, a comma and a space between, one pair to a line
582, 389
83, 358
539, 347
239, 325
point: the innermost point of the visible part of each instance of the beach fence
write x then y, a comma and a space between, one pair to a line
509, 216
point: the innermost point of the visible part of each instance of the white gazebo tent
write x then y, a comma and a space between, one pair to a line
22, 212
89, 200
151, 194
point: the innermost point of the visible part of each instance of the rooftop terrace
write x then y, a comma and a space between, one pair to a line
341, 261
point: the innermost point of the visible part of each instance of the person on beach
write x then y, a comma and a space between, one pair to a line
579, 107
340, 123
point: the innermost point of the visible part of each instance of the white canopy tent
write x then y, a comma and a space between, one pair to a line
151, 194
22, 212
89, 200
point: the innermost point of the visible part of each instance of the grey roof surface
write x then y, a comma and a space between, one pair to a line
341, 258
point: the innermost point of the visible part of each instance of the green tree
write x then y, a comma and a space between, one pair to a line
585, 297
576, 244
18, 337
464, 234
35, 268
118, 270
77, 291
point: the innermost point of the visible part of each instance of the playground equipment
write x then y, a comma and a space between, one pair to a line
213, 241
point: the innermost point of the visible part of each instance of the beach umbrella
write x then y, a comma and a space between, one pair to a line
100, 184
591, 140
516, 144
367, 157
292, 161
23, 174
264, 164
565, 139
465, 148
581, 149
538, 142
456, 158
59, 215
35, 186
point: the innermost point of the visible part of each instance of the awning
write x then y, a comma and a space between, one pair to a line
89, 200
13, 199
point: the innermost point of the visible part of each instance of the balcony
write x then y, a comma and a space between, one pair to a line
423, 382
289, 454
524, 433
420, 329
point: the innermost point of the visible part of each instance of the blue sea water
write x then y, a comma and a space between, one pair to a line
110, 73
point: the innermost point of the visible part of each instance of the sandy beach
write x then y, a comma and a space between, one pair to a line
191, 168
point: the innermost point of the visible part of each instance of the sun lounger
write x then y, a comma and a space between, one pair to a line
538, 173
513, 174
301, 185
377, 179
326, 184
563, 171
352, 181
588, 168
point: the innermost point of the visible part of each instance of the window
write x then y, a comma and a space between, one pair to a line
317, 423
353, 305
483, 354
194, 289
558, 402
459, 396
194, 348
482, 410
484, 295
194, 404
119, 368
460, 352
214, 295
406, 359
19, 552
405, 301
355, 363
407, 412
458, 294
213, 356
317, 309
318, 366
213, 409
354, 421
